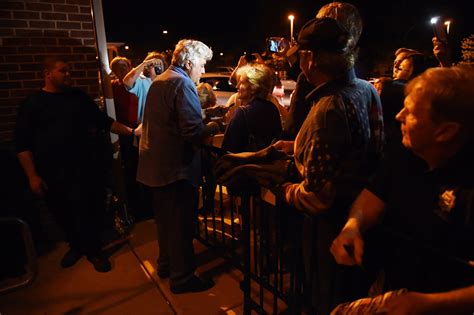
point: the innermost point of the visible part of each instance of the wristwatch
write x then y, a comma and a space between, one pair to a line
133, 131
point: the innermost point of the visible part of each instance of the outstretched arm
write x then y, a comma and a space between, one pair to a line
460, 301
366, 211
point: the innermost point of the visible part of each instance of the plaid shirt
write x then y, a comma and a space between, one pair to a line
338, 145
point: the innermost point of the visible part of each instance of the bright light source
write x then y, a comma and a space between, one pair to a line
127, 48
447, 23
434, 20
221, 54
291, 17
165, 32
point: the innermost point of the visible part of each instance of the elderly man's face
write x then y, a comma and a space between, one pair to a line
418, 129
196, 70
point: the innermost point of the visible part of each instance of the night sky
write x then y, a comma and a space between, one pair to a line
244, 26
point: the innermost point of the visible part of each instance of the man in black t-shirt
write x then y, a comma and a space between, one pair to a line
424, 199
59, 142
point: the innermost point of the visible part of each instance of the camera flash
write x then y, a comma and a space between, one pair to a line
434, 20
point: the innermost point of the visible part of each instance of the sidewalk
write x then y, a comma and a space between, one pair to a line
132, 287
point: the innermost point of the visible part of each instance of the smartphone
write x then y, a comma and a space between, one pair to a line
439, 30
272, 45
275, 44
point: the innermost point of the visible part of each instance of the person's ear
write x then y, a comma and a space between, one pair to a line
188, 65
446, 131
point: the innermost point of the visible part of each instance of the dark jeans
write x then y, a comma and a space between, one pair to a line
174, 206
78, 208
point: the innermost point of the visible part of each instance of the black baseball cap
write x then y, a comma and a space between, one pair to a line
325, 34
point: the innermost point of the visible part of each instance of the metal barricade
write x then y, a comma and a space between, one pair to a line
251, 231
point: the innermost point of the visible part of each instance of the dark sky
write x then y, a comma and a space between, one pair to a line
232, 27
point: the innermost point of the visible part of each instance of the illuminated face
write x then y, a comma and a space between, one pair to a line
196, 70
402, 67
244, 90
417, 127
59, 76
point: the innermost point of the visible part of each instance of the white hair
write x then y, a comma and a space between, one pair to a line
190, 50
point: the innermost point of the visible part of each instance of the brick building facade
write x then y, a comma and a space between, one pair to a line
31, 29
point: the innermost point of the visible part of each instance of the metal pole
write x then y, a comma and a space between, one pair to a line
104, 76
291, 18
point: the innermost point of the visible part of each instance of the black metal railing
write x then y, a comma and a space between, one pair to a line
251, 232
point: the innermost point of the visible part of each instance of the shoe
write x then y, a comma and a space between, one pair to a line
195, 284
71, 257
163, 273
100, 262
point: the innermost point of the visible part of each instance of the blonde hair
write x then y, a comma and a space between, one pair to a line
206, 94
260, 77
190, 50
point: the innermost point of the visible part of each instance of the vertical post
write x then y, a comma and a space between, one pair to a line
291, 18
104, 71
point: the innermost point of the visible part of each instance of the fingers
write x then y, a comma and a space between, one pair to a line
344, 252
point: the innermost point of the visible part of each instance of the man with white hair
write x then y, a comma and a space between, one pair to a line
170, 161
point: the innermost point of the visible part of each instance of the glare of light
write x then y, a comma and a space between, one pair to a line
291, 17
221, 54
165, 32
434, 20
447, 23
126, 47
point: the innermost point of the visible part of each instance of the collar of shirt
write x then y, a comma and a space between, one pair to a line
330, 86
179, 70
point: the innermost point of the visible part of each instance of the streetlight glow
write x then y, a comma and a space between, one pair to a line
434, 19
447, 23
291, 17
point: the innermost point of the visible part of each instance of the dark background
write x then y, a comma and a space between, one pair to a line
242, 26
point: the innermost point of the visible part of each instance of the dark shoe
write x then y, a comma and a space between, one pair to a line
100, 262
70, 258
195, 284
163, 273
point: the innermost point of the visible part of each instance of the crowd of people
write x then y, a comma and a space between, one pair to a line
383, 172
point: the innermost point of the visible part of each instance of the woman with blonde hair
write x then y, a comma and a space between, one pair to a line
256, 122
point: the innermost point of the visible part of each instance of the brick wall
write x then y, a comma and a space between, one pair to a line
31, 29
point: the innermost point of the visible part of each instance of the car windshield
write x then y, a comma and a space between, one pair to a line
219, 84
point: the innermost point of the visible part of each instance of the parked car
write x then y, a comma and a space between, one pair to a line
224, 89
220, 84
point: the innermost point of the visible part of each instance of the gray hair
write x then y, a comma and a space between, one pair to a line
190, 50
346, 14
349, 17
260, 77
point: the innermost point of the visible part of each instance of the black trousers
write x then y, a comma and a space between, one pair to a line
78, 207
174, 206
